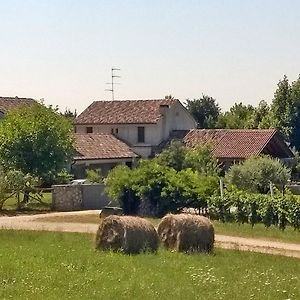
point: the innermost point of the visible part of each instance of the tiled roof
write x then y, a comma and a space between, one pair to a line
8, 103
101, 146
233, 143
123, 112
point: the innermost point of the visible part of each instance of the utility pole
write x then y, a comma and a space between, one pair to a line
112, 83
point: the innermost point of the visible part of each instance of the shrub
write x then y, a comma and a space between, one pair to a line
94, 176
63, 177
256, 173
154, 189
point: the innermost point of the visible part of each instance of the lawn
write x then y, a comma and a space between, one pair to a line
234, 229
11, 203
38, 265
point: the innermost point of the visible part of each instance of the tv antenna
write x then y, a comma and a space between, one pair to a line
112, 83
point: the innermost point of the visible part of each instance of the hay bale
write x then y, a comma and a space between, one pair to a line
186, 233
127, 234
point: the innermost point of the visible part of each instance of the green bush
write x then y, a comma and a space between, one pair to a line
155, 189
63, 177
94, 176
256, 173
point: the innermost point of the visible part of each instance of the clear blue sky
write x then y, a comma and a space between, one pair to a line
62, 50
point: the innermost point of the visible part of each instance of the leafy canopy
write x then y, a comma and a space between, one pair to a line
205, 111
36, 140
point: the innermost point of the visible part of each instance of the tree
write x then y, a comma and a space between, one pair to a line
35, 140
15, 182
282, 108
180, 157
239, 116
70, 114
260, 116
173, 156
202, 160
256, 173
204, 110
295, 123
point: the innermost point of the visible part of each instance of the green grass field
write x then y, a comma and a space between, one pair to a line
66, 266
234, 229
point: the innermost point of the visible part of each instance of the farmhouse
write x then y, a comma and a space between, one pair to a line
142, 124
113, 132
235, 145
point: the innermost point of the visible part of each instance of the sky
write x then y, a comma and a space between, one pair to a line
62, 51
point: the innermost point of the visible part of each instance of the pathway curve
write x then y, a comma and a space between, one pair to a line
35, 222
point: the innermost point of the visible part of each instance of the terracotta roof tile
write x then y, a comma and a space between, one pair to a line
123, 112
8, 103
232, 143
101, 146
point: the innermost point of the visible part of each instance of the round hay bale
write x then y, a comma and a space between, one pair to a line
186, 233
127, 234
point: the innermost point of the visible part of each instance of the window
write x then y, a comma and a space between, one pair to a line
141, 134
89, 129
112, 131
117, 130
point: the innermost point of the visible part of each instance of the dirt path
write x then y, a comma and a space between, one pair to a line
35, 222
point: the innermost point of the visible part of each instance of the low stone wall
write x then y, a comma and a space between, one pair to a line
79, 197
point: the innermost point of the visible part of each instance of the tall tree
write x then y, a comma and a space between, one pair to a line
205, 111
295, 124
37, 140
282, 108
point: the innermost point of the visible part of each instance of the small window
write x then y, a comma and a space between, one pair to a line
117, 130
112, 131
89, 130
141, 134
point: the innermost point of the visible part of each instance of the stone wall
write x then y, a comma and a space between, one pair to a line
79, 197
67, 197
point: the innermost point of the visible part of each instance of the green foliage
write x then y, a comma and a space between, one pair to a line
239, 116
204, 110
119, 186
282, 108
155, 189
243, 207
36, 140
179, 157
94, 176
14, 182
63, 177
256, 173
174, 156
201, 159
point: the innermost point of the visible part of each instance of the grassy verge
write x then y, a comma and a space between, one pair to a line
65, 266
233, 229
